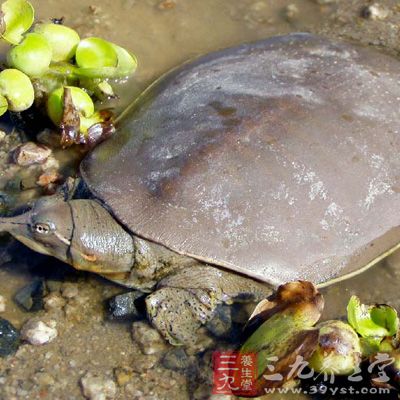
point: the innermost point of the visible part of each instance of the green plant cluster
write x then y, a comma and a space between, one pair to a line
44, 58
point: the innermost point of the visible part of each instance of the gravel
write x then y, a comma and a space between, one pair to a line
31, 153
37, 332
149, 339
95, 387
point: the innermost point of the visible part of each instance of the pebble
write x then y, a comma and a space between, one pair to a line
30, 297
177, 360
2, 304
2, 135
149, 339
69, 290
167, 5
37, 332
53, 301
375, 12
49, 177
31, 153
43, 379
124, 306
9, 338
95, 387
123, 375
143, 362
291, 12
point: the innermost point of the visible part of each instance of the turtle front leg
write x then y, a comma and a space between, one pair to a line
186, 300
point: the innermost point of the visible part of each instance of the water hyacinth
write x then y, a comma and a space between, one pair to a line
281, 328
373, 323
52, 57
32, 56
81, 101
97, 58
95, 53
62, 40
338, 351
18, 17
17, 89
3, 105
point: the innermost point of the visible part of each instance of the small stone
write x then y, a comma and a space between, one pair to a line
31, 153
43, 379
123, 375
94, 9
2, 135
9, 338
53, 301
49, 177
69, 290
149, 339
37, 332
167, 5
177, 360
30, 297
95, 387
124, 306
73, 312
50, 164
375, 12
143, 362
133, 392
2, 304
291, 12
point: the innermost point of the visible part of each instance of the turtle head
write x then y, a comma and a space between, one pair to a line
46, 228
81, 233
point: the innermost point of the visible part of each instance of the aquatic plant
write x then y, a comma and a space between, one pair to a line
50, 59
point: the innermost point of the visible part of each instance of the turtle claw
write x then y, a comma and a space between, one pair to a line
178, 313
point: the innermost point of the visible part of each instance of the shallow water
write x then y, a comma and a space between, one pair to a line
162, 34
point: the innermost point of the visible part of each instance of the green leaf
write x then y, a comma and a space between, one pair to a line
338, 351
18, 16
126, 65
17, 88
81, 101
62, 40
127, 62
3, 105
372, 322
32, 56
102, 73
96, 53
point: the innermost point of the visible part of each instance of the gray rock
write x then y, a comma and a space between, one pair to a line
125, 306
177, 360
31, 153
149, 339
9, 338
30, 297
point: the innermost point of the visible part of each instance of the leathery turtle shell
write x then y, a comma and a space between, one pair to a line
277, 159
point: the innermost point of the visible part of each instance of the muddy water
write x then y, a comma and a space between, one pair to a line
162, 34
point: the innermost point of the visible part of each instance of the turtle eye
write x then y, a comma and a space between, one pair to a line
42, 229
